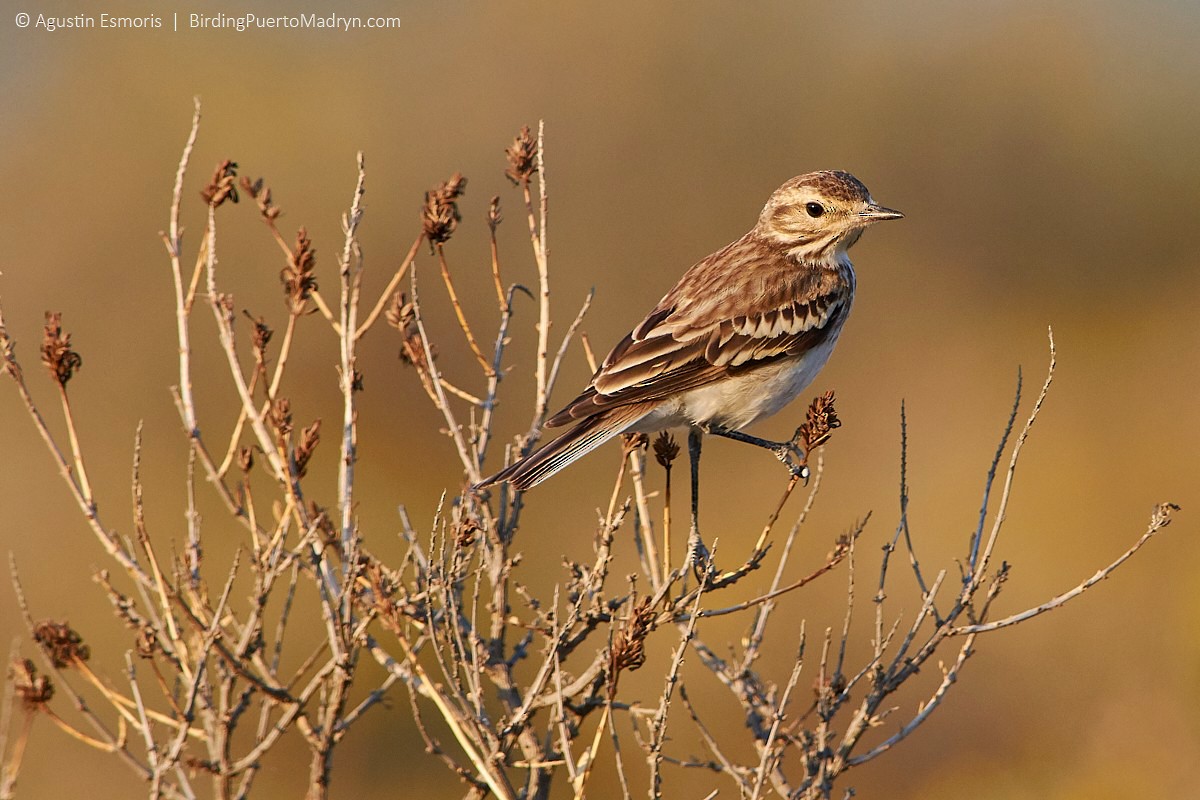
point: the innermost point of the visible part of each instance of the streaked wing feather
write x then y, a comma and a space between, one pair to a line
655, 368
741, 307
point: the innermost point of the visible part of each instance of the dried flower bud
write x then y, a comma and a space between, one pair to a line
439, 214
8, 357
262, 337
402, 315
63, 645
493, 216
223, 185
309, 437
666, 449
280, 417
297, 277
628, 650
465, 531
57, 354
33, 689
522, 157
454, 188
382, 588
262, 195
820, 423
1161, 517
146, 642
245, 459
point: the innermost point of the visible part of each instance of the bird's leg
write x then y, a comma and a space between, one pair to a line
697, 553
791, 455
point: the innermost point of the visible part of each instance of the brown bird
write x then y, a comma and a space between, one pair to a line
742, 334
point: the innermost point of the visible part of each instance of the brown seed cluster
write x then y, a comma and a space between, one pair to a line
380, 592
309, 437
297, 277
666, 449
145, 644
63, 645
223, 185
628, 649
820, 423
402, 315
280, 417
262, 196
522, 157
262, 337
466, 531
57, 354
439, 213
245, 459
33, 689
493, 215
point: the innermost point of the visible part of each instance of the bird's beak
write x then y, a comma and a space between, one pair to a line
876, 213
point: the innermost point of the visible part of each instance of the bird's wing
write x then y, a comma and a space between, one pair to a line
706, 329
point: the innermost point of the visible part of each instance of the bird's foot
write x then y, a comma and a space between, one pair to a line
700, 559
788, 452
795, 459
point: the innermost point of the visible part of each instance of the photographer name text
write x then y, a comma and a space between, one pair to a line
199, 22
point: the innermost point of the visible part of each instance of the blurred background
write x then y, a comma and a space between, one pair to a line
1045, 156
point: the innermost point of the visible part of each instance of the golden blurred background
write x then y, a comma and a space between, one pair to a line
1046, 157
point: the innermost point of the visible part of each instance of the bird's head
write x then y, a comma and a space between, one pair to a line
820, 215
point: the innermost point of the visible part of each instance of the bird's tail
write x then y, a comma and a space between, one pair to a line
577, 442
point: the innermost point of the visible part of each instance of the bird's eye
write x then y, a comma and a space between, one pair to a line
814, 209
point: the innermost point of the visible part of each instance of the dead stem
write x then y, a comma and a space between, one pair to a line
386, 296
458, 311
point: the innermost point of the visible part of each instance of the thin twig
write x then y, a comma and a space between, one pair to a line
1160, 519
385, 297
458, 310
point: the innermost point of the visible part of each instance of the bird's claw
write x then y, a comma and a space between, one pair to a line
794, 459
700, 559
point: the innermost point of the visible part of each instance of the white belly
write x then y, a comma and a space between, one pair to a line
735, 402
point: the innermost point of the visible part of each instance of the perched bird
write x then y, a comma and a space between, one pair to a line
743, 332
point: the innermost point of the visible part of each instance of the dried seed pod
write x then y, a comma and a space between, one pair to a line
820, 423
223, 185
522, 157
33, 689
297, 277
57, 354
439, 213
61, 643
628, 649
309, 437
666, 449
